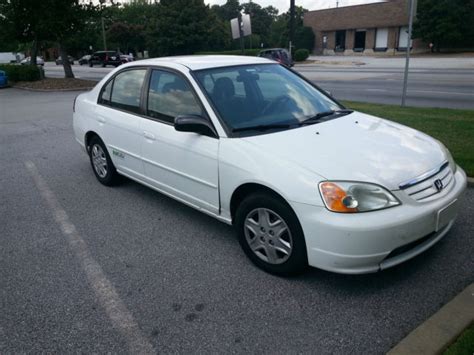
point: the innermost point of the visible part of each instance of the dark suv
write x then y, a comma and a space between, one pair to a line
280, 55
105, 58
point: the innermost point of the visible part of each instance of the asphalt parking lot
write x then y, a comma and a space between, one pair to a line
87, 268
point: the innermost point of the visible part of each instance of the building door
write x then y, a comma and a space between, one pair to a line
340, 41
381, 39
359, 41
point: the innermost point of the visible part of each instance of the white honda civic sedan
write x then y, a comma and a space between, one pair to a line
252, 143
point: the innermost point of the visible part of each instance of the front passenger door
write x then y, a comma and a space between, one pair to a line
181, 164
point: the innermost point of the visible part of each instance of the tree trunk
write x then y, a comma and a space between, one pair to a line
66, 65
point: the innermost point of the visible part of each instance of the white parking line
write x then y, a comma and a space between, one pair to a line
107, 295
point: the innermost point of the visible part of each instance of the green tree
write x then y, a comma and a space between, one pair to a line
126, 37
445, 23
228, 11
261, 18
304, 38
20, 21
183, 27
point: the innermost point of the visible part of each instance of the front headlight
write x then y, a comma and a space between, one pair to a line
351, 197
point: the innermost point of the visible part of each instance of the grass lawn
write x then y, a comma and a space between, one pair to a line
464, 345
455, 128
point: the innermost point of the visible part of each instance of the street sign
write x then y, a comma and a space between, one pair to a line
234, 25
246, 25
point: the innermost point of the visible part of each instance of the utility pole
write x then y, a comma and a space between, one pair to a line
241, 32
407, 61
103, 33
292, 24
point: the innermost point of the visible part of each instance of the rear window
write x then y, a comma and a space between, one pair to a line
124, 91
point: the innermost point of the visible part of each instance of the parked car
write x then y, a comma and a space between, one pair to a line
280, 55
59, 60
246, 140
126, 58
84, 59
105, 58
27, 61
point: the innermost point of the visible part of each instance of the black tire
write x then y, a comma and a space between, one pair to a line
90, 64
297, 261
110, 177
103, 64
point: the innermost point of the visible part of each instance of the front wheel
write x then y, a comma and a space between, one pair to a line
104, 169
270, 234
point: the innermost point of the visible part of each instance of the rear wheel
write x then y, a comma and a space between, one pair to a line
104, 169
270, 234
90, 64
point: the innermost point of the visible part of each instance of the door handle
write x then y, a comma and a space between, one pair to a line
101, 119
148, 135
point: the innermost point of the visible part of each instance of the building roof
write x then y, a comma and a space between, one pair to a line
380, 14
197, 62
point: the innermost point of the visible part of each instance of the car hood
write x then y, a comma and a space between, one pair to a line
356, 147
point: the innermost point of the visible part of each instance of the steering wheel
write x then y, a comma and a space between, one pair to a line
274, 104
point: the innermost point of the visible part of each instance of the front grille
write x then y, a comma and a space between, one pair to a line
407, 247
424, 188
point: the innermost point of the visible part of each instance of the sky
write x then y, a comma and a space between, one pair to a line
283, 5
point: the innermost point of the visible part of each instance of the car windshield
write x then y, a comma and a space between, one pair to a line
263, 95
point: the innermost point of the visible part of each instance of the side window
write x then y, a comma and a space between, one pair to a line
106, 91
127, 90
169, 96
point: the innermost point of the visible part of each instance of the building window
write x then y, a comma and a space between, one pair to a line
340, 41
359, 40
403, 38
381, 39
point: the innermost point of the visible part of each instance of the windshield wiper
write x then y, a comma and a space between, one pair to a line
260, 127
320, 115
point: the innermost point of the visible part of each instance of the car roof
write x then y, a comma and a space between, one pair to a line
198, 62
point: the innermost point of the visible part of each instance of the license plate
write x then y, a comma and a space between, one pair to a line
446, 214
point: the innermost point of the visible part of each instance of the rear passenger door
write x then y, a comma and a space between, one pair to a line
117, 114
181, 164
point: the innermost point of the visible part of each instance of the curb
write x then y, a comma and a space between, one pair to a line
441, 329
53, 90
470, 182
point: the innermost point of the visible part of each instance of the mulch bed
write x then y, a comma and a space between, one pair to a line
56, 84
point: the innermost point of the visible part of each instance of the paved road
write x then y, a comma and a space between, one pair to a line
443, 85
86, 268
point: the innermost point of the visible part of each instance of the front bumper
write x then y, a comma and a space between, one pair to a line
368, 242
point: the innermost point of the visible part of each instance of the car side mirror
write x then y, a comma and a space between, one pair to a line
194, 123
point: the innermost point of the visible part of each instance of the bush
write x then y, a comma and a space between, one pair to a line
17, 72
301, 55
248, 52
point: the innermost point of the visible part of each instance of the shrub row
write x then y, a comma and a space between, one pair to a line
17, 72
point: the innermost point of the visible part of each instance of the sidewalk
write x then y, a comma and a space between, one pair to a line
416, 62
